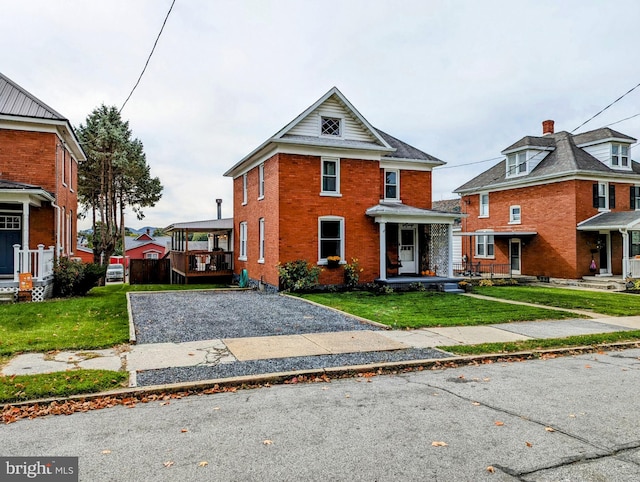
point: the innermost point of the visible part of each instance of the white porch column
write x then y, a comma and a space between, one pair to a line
25, 224
450, 250
625, 253
383, 250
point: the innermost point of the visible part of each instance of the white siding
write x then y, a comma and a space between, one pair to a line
602, 152
535, 157
352, 129
456, 246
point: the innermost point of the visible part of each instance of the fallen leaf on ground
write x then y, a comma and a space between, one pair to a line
486, 379
216, 408
476, 403
106, 451
267, 442
550, 429
204, 463
168, 463
528, 444
499, 423
439, 444
184, 430
587, 366
490, 469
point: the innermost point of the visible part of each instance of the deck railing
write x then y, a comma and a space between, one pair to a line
471, 269
202, 263
633, 268
38, 262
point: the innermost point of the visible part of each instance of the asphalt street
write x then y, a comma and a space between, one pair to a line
567, 418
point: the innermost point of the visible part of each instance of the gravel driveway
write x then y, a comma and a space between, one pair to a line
203, 315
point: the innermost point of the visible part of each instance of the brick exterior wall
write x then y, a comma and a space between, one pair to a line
31, 158
292, 205
553, 210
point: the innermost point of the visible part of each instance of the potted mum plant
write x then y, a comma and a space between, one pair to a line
333, 261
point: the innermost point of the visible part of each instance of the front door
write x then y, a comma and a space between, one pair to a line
408, 252
514, 255
605, 255
8, 237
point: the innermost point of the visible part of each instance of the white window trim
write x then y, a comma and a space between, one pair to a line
606, 196
331, 136
637, 198
620, 156
397, 198
323, 261
512, 219
261, 240
261, 181
244, 189
335, 193
485, 244
243, 241
517, 165
480, 215
152, 254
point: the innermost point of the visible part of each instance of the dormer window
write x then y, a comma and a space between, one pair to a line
619, 155
331, 126
516, 164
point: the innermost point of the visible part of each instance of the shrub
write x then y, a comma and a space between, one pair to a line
74, 278
352, 273
416, 287
298, 275
485, 282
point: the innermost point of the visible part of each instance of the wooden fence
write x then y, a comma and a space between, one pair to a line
149, 271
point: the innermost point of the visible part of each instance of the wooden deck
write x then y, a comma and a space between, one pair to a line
192, 265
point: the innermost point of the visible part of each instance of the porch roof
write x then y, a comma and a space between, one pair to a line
498, 234
403, 213
208, 225
20, 190
609, 221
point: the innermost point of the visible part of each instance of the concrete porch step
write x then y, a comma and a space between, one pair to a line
6, 297
451, 288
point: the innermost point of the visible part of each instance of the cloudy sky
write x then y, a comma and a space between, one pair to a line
460, 80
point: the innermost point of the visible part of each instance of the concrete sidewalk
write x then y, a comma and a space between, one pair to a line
136, 358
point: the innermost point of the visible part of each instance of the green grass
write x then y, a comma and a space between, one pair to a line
98, 320
542, 344
59, 384
613, 304
424, 309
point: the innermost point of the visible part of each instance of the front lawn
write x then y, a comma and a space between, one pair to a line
613, 304
424, 309
98, 320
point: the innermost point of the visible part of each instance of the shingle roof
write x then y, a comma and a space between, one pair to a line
405, 151
611, 220
565, 158
14, 100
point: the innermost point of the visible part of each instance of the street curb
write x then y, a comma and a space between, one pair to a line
256, 381
132, 328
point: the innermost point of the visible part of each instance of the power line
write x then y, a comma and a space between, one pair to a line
597, 114
149, 58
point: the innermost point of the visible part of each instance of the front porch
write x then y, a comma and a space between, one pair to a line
39, 263
435, 283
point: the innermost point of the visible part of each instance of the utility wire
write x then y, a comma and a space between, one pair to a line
597, 114
149, 58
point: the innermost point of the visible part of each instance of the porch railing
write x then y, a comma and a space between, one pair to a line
482, 269
633, 268
38, 262
202, 263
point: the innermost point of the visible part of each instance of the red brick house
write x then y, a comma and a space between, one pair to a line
39, 155
559, 205
330, 184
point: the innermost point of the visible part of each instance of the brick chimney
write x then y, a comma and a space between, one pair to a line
547, 127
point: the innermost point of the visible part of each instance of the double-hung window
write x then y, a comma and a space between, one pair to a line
619, 155
261, 181
516, 164
634, 202
243, 241
330, 238
604, 195
483, 211
484, 246
330, 176
392, 184
515, 215
244, 188
261, 240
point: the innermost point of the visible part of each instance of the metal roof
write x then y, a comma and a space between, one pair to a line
203, 226
498, 234
14, 100
611, 220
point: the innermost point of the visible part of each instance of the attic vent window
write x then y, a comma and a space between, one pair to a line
331, 126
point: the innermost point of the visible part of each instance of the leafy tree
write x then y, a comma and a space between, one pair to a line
114, 176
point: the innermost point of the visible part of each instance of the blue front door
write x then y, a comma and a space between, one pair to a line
7, 239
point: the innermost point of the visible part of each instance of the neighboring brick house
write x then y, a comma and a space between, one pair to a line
330, 184
39, 155
559, 205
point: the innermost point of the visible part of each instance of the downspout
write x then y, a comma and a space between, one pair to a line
625, 252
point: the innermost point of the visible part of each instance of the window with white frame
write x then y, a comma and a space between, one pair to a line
619, 155
331, 126
244, 188
151, 255
514, 215
604, 196
483, 211
64, 167
330, 176
392, 184
330, 237
261, 181
484, 246
243, 241
516, 164
261, 240
8, 222
635, 198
